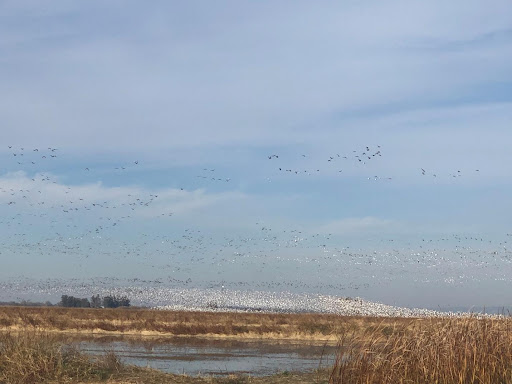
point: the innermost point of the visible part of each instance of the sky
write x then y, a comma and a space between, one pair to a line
351, 148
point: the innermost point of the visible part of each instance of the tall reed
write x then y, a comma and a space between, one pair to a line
35, 357
435, 351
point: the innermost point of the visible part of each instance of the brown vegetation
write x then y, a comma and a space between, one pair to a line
371, 350
175, 323
448, 351
31, 357
36, 357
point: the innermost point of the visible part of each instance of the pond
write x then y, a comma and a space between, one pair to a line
193, 356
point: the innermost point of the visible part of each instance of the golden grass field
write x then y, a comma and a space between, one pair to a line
370, 350
147, 322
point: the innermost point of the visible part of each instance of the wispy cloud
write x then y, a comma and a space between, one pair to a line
46, 192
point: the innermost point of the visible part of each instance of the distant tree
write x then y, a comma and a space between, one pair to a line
110, 302
64, 301
124, 301
96, 301
115, 302
84, 303
71, 301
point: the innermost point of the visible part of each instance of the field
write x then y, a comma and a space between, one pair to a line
147, 322
370, 350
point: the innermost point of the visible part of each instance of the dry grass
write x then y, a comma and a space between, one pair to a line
33, 357
138, 376
371, 350
37, 357
445, 351
176, 323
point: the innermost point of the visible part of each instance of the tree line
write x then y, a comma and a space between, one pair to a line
96, 301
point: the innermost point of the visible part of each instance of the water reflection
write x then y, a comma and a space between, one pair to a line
194, 356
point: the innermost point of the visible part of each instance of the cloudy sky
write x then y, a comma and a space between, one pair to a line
238, 141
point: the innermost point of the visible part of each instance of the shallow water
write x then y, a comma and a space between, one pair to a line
194, 356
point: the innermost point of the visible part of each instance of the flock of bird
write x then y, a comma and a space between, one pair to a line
44, 217
359, 157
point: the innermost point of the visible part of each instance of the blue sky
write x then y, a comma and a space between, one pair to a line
143, 100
